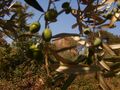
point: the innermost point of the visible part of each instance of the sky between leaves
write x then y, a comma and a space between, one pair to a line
64, 22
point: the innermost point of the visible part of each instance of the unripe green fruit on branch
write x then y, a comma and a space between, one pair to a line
47, 34
86, 31
68, 10
65, 5
34, 47
35, 53
51, 15
97, 42
35, 27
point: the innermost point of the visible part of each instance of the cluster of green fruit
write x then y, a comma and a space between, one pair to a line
47, 33
35, 53
52, 14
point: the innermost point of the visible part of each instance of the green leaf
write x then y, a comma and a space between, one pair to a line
108, 49
104, 65
34, 4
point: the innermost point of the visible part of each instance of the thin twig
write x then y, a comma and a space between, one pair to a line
40, 17
49, 4
68, 81
78, 17
46, 64
12, 4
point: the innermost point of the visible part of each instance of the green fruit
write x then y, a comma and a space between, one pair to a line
97, 42
31, 50
86, 31
68, 10
35, 52
65, 5
34, 47
35, 27
51, 15
47, 34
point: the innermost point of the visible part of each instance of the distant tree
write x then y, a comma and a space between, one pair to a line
110, 37
13, 19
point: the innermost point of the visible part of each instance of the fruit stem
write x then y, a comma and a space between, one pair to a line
46, 64
46, 23
54, 6
61, 12
40, 17
50, 2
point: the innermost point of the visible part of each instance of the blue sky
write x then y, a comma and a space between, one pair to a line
64, 22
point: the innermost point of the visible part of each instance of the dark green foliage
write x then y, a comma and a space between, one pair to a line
4, 4
65, 5
16, 23
68, 10
15, 66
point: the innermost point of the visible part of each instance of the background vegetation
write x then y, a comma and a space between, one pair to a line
19, 70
